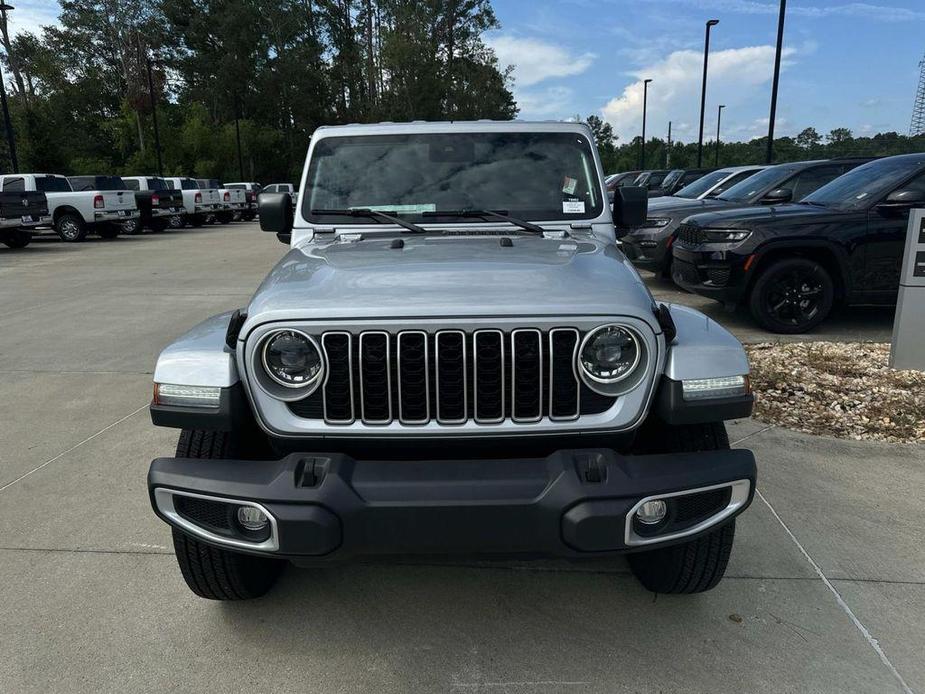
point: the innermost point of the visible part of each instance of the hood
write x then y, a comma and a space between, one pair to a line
438, 276
762, 215
681, 207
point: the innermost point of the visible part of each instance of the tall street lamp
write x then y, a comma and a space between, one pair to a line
157, 136
719, 119
780, 43
703, 89
7, 121
237, 133
642, 144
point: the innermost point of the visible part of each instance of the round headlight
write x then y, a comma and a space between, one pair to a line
292, 359
609, 354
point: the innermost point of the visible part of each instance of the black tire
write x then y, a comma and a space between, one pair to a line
71, 228
159, 224
698, 565
15, 238
224, 217
132, 227
210, 572
792, 296
177, 221
108, 231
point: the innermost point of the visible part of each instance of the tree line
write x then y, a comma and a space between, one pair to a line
807, 145
80, 100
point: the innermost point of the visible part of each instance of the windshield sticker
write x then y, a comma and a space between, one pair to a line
569, 185
573, 206
401, 209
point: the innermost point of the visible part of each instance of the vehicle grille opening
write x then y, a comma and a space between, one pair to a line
690, 235
451, 376
211, 514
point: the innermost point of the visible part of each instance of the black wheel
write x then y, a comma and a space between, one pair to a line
224, 217
15, 238
108, 231
177, 221
698, 565
131, 227
71, 227
792, 296
159, 224
210, 572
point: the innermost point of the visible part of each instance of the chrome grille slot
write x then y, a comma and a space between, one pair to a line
488, 376
375, 378
526, 375
413, 377
564, 393
338, 384
451, 368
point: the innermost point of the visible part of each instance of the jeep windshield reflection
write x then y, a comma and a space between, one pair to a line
534, 176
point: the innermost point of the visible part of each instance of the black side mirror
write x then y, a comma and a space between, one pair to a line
630, 206
276, 212
778, 196
902, 200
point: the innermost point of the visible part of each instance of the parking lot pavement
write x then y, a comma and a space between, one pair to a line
825, 591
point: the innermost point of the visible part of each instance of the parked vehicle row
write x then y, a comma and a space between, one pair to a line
109, 205
791, 242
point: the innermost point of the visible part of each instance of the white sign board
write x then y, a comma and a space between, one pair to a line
908, 347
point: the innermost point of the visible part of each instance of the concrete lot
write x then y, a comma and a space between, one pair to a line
825, 592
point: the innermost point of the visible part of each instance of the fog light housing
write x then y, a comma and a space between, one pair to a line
252, 518
652, 512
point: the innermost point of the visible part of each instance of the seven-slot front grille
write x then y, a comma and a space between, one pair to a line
450, 377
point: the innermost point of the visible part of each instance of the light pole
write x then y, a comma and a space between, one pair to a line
237, 133
7, 121
719, 119
703, 89
668, 148
780, 43
642, 144
157, 137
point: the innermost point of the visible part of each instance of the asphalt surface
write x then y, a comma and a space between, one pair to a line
825, 591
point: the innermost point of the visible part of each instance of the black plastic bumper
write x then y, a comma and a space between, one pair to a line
573, 503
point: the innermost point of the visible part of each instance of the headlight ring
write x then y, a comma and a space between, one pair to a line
608, 356
292, 359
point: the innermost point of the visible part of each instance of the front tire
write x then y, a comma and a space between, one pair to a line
697, 565
211, 572
132, 227
792, 296
15, 238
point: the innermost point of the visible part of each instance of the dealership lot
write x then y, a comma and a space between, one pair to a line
93, 600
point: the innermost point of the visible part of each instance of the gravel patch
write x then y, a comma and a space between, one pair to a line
845, 390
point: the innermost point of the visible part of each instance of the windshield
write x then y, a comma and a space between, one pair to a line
97, 183
157, 184
672, 178
864, 185
52, 184
539, 176
757, 184
188, 184
702, 185
206, 183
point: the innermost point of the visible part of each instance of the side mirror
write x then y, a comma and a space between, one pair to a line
778, 196
276, 212
902, 200
630, 206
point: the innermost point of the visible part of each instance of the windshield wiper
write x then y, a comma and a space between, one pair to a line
377, 215
813, 203
487, 214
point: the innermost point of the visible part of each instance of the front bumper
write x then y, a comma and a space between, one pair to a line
573, 503
719, 275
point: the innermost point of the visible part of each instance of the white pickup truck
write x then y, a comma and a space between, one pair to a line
198, 203
234, 201
251, 191
76, 213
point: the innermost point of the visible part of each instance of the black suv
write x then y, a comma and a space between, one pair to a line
676, 180
791, 263
649, 246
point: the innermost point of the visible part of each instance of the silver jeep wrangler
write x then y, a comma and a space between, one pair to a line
453, 358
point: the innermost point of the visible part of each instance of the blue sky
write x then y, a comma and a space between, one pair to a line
851, 64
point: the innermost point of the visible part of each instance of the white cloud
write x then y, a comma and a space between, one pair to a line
535, 60
33, 16
550, 102
735, 76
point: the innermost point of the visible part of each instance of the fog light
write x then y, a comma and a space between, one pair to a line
252, 518
652, 512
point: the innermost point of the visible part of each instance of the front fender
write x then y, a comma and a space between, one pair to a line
200, 357
703, 348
